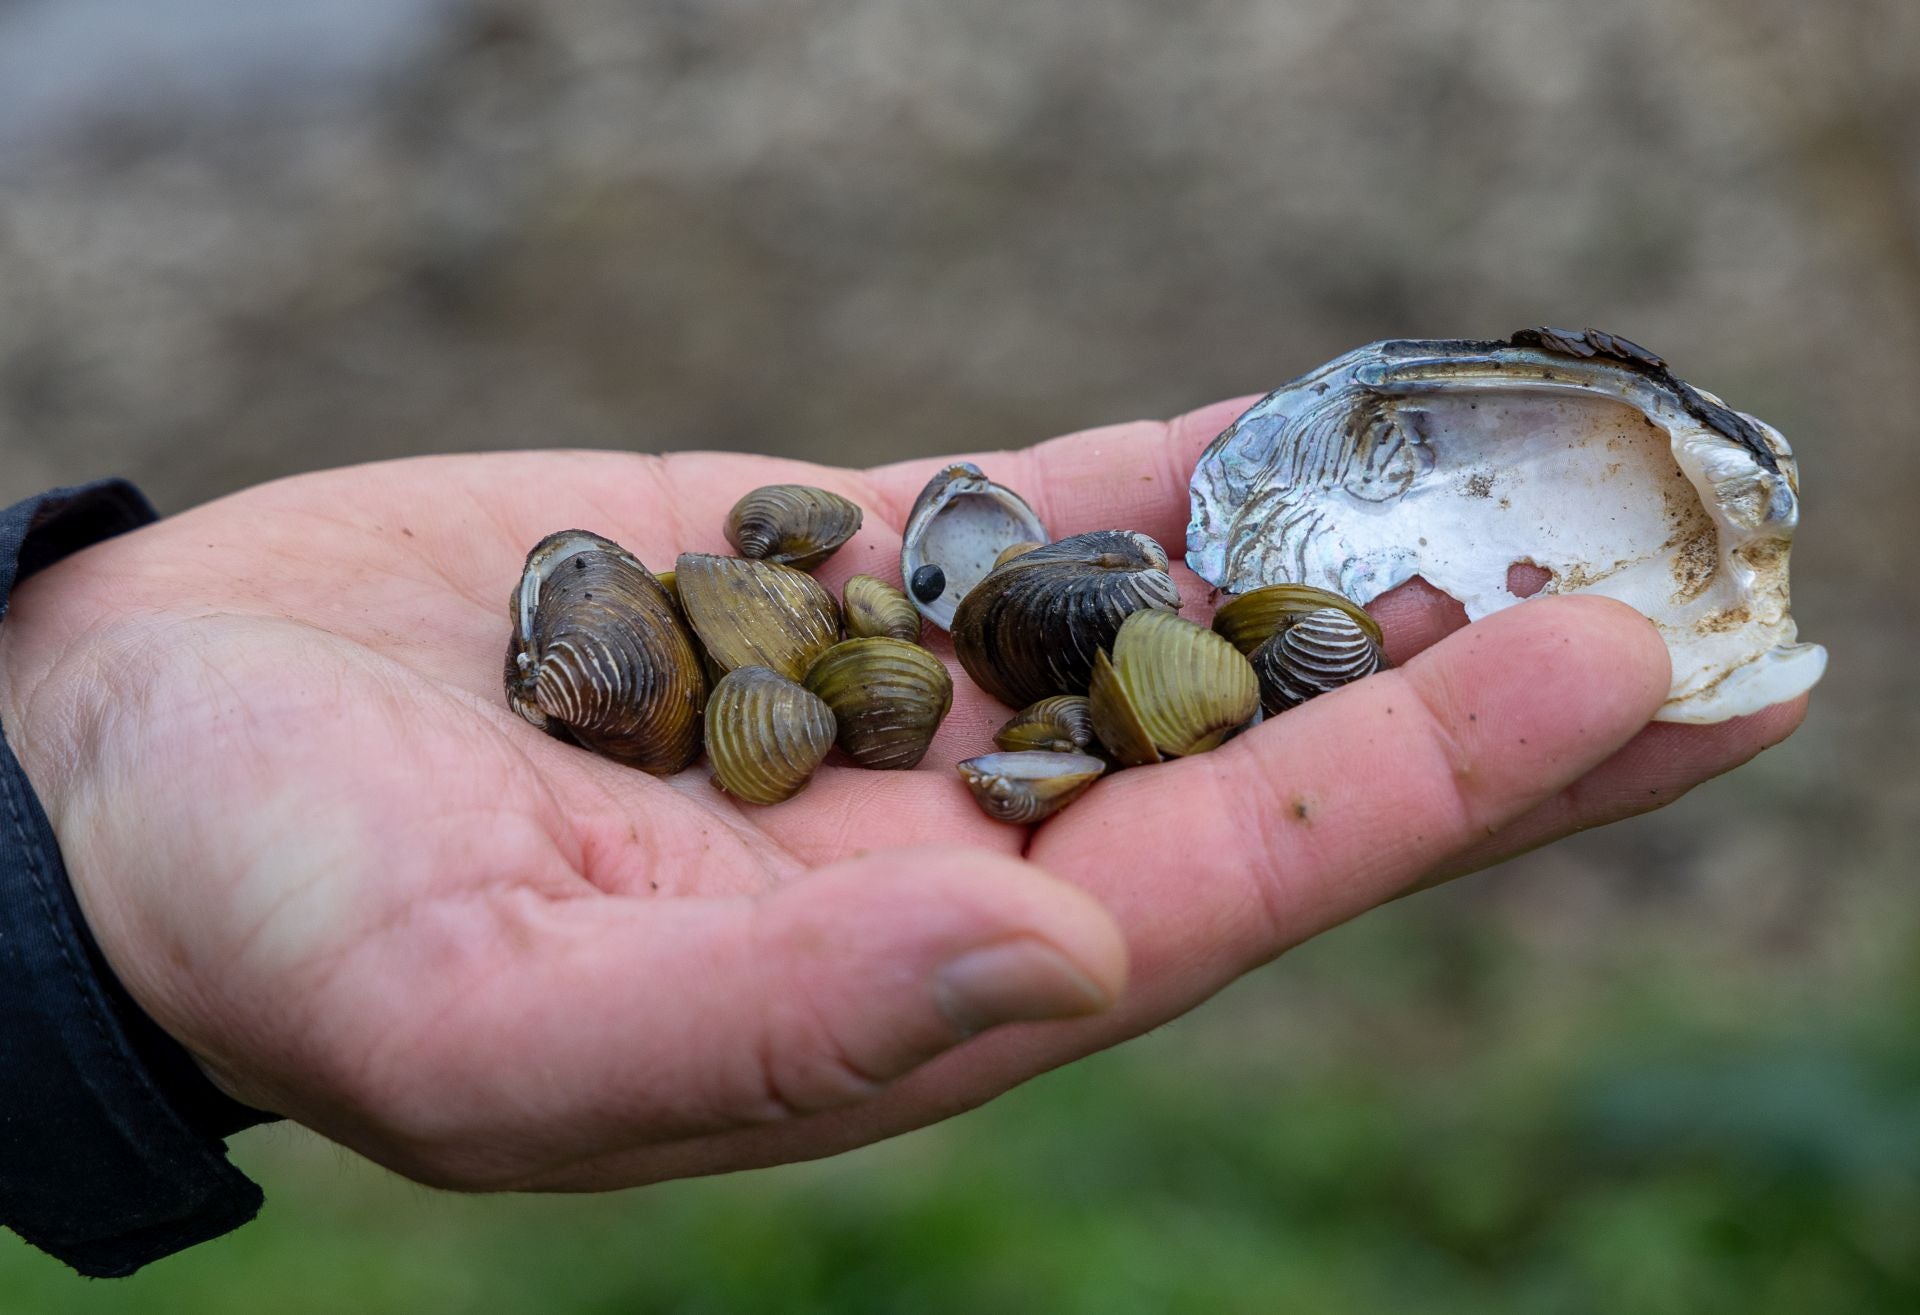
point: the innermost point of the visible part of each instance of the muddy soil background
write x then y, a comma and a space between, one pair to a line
236, 245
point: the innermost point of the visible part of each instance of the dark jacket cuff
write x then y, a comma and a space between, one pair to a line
110, 1136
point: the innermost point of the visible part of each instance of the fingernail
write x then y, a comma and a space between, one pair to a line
1015, 981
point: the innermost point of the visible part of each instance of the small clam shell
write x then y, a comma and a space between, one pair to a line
1251, 619
959, 524
765, 735
757, 614
1339, 641
600, 655
1320, 651
875, 607
1185, 688
888, 697
1062, 723
1031, 628
1012, 551
1028, 786
793, 525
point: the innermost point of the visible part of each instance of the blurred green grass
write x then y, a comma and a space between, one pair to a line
1427, 1110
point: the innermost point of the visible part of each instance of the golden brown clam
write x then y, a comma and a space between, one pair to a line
793, 525
1062, 723
875, 607
887, 696
765, 735
1171, 689
757, 614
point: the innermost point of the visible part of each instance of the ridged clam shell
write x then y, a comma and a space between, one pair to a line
875, 607
757, 614
1032, 627
887, 696
960, 523
599, 655
793, 525
1027, 787
1179, 686
1062, 723
765, 735
1319, 652
1252, 618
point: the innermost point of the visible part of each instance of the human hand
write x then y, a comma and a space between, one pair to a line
320, 851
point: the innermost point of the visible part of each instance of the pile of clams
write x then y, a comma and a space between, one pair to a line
1577, 453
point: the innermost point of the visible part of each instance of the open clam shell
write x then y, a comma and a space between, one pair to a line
960, 523
1029, 786
599, 655
1576, 452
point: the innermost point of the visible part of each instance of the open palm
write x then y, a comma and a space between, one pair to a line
321, 852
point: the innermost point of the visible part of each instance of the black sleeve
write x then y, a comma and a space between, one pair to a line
110, 1137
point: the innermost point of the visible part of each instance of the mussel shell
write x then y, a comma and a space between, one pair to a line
1318, 652
960, 523
1185, 688
1028, 786
793, 525
1251, 619
765, 735
1061, 723
874, 607
887, 696
757, 614
1031, 628
599, 655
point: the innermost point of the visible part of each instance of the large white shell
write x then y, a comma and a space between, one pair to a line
1577, 453
961, 522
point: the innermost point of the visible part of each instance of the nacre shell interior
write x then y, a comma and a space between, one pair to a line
1455, 460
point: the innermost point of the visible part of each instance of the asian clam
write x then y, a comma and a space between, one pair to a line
1578, 453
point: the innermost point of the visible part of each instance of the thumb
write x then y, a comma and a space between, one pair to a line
637, 1021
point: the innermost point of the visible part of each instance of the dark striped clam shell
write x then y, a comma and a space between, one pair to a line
1032, 627
1029, 786
793, 525
1317, 653
600, 656
765, 735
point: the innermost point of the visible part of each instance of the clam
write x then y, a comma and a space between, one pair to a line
765, 735
1031, 785
1577, 452
1012, 551
1062, 723
874, 607
757, 614
1032, 627
599, 655
1171, 689
793, 525
1302, 641
887, 696
959, 524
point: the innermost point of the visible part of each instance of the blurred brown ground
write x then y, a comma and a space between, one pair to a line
865, 230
